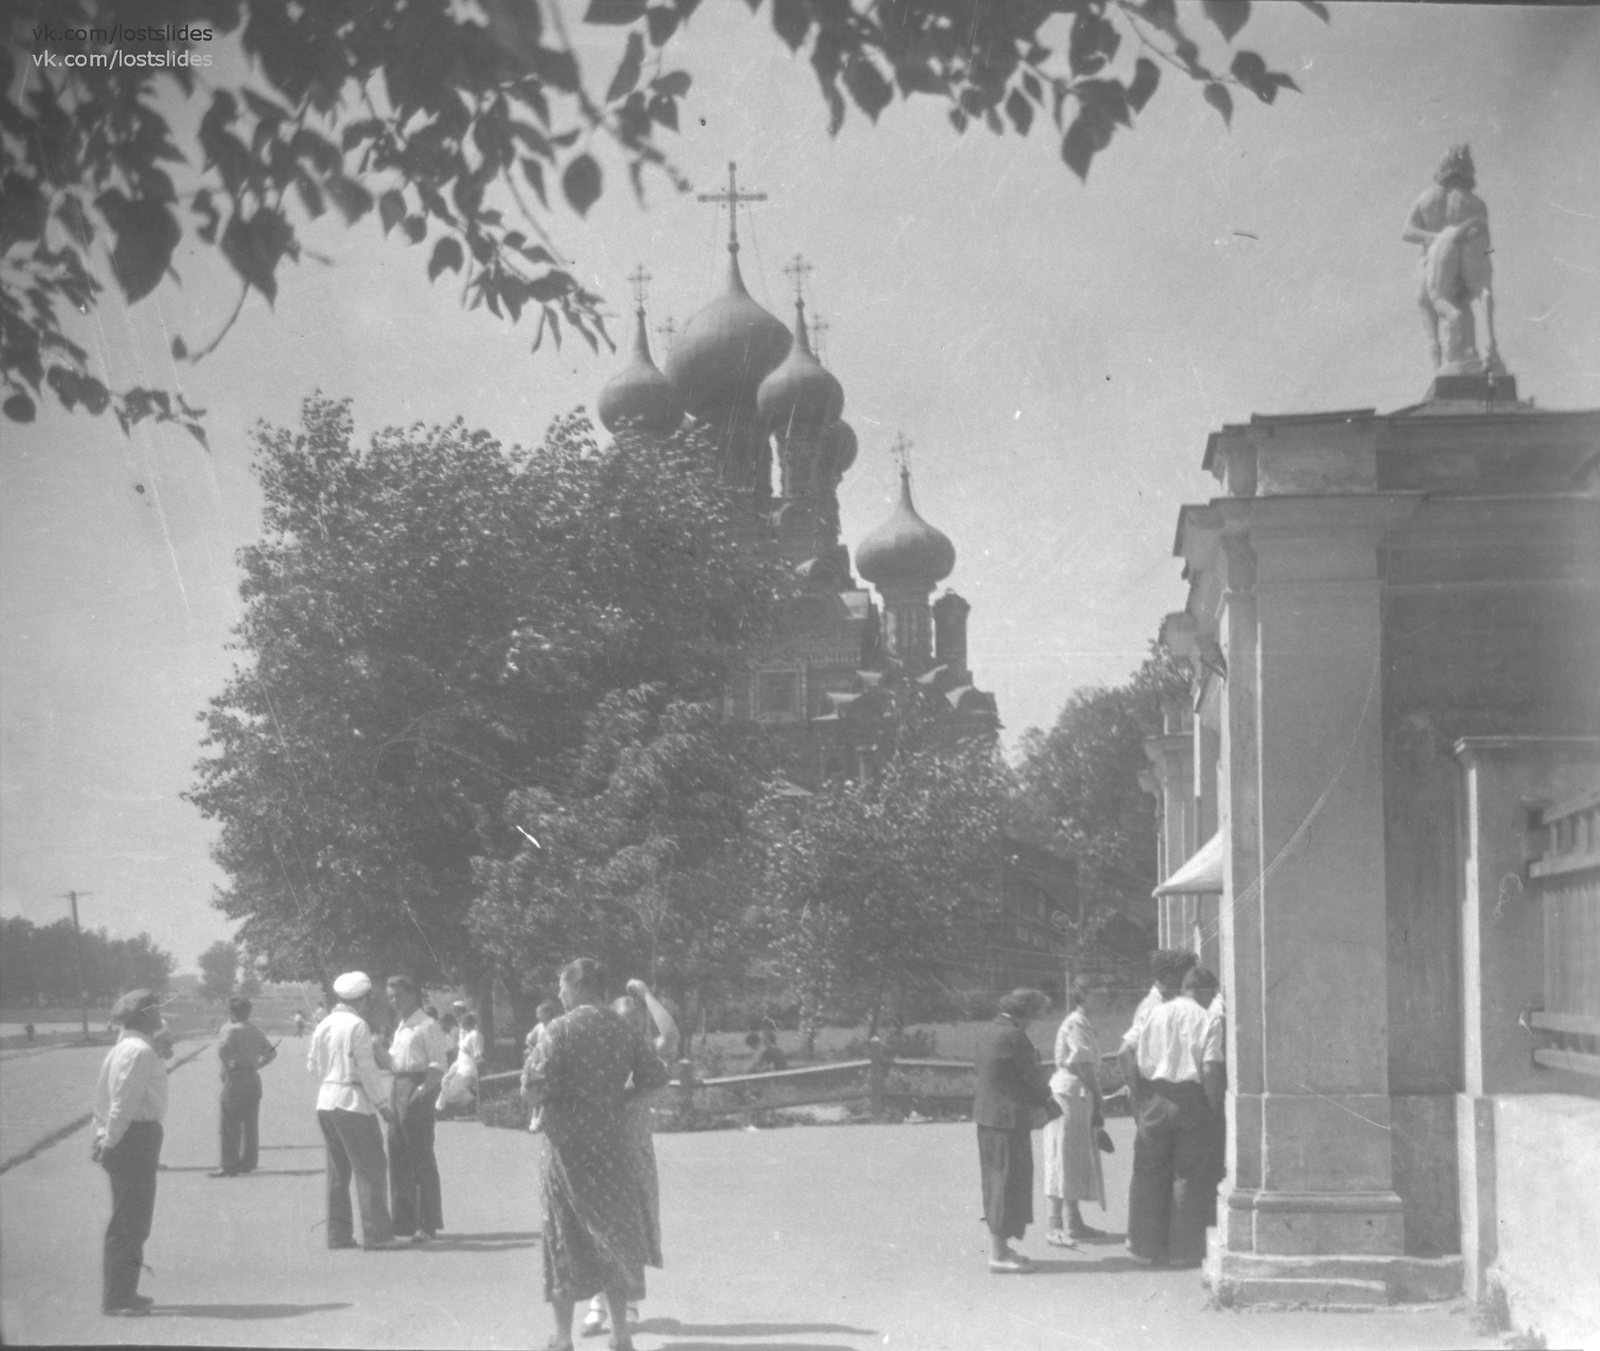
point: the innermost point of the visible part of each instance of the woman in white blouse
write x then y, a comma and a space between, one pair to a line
1071, 1158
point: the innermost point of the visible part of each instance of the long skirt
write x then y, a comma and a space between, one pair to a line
1071, 1161
1005, 1160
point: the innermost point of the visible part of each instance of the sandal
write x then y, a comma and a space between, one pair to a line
594, 1323
1058, 1238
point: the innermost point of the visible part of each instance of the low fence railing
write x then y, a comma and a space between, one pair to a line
1567, 880
882, 1081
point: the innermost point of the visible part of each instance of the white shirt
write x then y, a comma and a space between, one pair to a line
470, 1051
341, 1057
1152, 1000
1176, 1039
1076, 1047
132, 1087
418, 1045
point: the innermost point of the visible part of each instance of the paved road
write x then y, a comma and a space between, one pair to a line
808, 1239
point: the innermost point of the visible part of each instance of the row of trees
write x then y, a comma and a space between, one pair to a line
39, 964
476, 727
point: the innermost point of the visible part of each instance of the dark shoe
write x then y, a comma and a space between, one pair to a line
135, 1306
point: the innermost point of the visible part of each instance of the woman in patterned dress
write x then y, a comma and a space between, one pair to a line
1071, 1158
649, 1017
597, 1230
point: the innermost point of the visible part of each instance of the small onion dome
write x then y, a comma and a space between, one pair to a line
842, 447
905, 550
640, 396
800, 395
726, 350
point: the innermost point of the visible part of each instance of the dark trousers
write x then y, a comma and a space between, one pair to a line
1174, 1173
131, 1165
355, 1151
413, 1170
241, 1121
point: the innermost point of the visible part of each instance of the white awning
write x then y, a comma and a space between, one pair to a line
1202, 873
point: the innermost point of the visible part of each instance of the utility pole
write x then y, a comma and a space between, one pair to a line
77, 939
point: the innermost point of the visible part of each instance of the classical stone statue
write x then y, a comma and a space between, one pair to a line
1451, 223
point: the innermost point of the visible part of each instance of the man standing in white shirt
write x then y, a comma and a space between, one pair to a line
418, 1058
1165, 1062
348, 1102
130, 1099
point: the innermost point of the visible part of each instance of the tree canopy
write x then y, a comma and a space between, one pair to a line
1079, 793
875, 889
219, 970
434, 624
40, 963
463, 127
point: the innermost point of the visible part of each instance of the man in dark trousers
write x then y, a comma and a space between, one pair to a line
130, 1098
417, 1055
244, 1049
1171, 1064
1013, 1096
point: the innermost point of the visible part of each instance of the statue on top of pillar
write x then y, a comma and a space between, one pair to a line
1451, 223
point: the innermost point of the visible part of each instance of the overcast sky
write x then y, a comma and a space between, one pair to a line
1056, 353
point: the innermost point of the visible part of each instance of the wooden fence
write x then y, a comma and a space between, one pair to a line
1567, 880
882, 1081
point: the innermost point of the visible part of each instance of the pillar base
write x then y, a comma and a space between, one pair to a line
1327, 1280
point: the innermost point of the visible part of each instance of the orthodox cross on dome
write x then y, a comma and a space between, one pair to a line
798, 269
732, 197
819, 327
641, 280
901, 450
668, 331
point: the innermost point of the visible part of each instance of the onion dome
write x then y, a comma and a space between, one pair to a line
726, 350
905, 550
640, 396
842, 447
800, 395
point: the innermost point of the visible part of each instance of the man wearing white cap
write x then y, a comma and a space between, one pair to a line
348, 1103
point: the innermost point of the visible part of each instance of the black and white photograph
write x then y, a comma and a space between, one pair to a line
800, 675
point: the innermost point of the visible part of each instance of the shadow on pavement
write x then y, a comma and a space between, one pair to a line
478, 1242
254, 1172
1049, 1266
240, 1311
753, 1346
673, 1328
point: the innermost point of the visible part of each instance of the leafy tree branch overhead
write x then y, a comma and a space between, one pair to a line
464, 127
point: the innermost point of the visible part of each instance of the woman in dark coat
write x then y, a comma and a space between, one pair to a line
1013, 1096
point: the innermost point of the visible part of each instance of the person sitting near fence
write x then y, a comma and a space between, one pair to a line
1174, 1146
1071, 1157
642, 1011
1013, 1099
595, 1231
768, 1058
458, 1094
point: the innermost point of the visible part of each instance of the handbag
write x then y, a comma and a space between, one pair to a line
1102, 1141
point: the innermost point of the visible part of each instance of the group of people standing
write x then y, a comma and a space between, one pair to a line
1173, 1066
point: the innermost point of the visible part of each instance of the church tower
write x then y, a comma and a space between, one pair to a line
769, 401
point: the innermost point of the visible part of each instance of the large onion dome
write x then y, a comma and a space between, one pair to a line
800, 396
726, 350
842, 447
639, 396
905, 550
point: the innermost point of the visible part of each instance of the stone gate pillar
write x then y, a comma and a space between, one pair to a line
1309, 1211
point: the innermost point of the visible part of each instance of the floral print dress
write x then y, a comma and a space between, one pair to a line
600, 1228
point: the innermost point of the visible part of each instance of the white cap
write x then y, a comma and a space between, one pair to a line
352, 985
